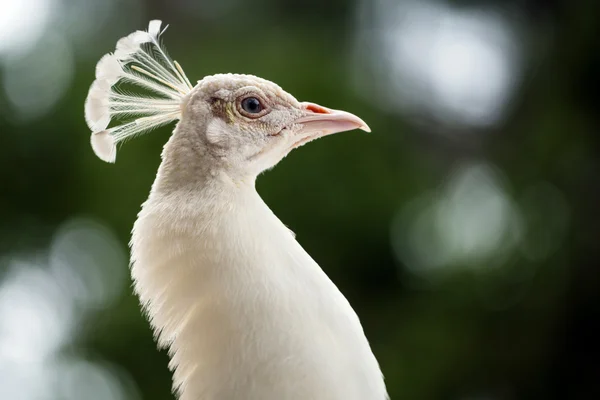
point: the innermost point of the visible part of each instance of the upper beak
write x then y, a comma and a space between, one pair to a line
325, 121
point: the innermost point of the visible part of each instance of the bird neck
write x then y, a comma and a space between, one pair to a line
188, 164
195, 252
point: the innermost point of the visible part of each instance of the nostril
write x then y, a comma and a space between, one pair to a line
317, 109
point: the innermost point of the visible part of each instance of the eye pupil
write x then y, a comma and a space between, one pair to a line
252, 105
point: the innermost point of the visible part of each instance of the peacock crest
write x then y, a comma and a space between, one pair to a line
139, 61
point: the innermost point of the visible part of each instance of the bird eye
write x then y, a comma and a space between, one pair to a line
252, 105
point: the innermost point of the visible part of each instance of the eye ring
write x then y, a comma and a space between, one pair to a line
251, 106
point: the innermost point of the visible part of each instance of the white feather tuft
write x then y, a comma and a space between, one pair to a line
139, 59
154, 28
131, 43
104, 146
97, 108
109, 69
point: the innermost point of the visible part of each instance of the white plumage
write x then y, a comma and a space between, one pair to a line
160, 75
245, 312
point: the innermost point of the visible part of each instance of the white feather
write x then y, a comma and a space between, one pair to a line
100, 89
97, 109
154, 28
131, 43
150, 69
104, 146
142, 125
246, 312
109, 69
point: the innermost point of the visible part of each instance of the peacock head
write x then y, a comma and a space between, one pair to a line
241, 122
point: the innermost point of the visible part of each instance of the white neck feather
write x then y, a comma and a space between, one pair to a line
245, 312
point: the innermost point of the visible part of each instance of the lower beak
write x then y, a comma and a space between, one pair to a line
321, 121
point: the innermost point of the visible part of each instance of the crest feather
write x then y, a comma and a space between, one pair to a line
139, 59
104, 146
109, 69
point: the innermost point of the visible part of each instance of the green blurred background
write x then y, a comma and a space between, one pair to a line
464, 229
